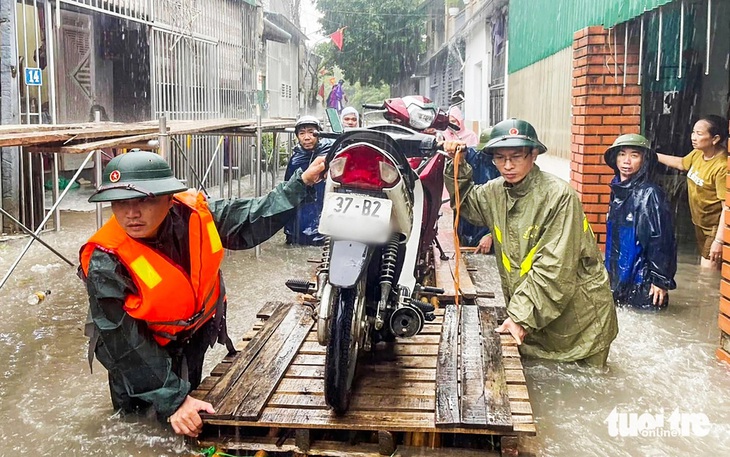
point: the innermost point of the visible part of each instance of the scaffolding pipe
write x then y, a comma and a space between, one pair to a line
659, 45
51, 39
48, 216
210, 164
681, 39
164, 138
709, 19
98, 174
36, 237
626, 50
641, 50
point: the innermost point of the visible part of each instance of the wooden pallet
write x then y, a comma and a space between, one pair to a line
457, 384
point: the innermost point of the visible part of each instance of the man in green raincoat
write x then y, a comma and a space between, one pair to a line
558, 297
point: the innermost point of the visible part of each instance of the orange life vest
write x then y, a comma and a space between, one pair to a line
169, 300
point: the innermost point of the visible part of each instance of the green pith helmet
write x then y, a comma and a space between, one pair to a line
484, 138
514, 133
136, 174
630, 139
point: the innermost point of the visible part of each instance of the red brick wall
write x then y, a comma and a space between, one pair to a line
603, 109
723, 320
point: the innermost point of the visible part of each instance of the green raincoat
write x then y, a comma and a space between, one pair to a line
552, 272
141, 372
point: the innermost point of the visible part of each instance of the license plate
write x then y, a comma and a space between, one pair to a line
356, 217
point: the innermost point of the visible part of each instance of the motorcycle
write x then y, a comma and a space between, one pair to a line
380, 214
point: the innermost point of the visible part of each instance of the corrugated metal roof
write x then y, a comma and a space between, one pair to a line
539, 28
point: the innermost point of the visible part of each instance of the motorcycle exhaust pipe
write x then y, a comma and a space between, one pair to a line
406, 321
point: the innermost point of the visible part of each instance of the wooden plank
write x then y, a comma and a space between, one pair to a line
304, 371
334, 448
520, 407
248, 398
518, 392
406, 374
512, 363
363, 385
514, 376
311, 347
419, 339
486, 277
527, 429
244, 358
466, 286
372, 402
12, 129
267, 311
472, 401
61, 135
174, 128
447, 389
352, 420
444, 280
496, 397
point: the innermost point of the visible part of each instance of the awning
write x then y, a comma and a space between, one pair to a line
274, 33
285, 24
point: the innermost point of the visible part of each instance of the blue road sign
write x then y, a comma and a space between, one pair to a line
33, 77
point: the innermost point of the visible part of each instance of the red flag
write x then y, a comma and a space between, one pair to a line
337, 37
320, 92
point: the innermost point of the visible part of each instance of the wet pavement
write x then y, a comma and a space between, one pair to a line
51, 405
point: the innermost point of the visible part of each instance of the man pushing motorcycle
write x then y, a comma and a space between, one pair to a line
556, 287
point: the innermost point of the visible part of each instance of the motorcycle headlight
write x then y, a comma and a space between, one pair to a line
420, 118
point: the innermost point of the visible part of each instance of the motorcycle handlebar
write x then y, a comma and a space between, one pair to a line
332, 135
418, 146
373, 106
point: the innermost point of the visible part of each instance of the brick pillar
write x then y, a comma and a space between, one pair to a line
603, 109
723, 320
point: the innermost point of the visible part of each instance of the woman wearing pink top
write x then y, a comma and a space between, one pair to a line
463, 133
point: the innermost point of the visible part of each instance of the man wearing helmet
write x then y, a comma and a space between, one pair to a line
303, 229
558, 298
152, 273
641, 253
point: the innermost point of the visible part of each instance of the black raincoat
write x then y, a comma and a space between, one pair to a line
141, 372
640, 244
304, 229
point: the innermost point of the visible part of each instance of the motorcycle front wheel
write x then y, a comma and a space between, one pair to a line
346, 330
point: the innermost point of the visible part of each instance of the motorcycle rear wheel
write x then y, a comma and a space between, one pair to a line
343, 347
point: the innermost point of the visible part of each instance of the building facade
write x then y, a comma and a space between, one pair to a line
651, 67
73, 61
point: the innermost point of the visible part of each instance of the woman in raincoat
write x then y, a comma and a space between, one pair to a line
641, 253
461, 132
555, 285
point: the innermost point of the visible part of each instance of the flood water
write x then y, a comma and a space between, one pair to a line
51, 405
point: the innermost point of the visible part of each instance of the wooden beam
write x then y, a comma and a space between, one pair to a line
447, 386
496, 395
